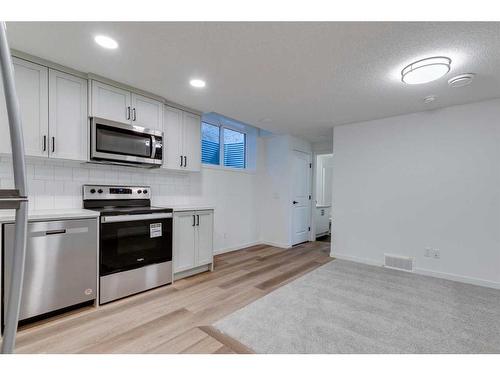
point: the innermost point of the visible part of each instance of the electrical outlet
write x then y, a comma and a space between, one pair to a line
427, 252
437, 255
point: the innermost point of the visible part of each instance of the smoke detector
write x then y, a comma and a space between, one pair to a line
430, 99
461, 80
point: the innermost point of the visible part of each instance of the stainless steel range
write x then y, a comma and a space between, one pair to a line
135, 245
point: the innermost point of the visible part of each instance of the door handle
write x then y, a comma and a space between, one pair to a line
53, 144
128, 113
194, 220
135, 115
197, 220
57, 231
44, 143
185, 161
295, 202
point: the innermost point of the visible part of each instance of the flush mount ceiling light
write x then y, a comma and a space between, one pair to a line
198, 83
426, 70
106, 42
461, 80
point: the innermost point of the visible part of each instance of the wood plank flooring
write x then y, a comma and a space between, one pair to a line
177, 318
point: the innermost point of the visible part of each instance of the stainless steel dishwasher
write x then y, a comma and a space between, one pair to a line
61, 265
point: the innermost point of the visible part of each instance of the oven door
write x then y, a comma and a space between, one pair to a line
114, 141
133, 241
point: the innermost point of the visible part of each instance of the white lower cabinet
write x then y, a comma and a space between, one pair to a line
193, 240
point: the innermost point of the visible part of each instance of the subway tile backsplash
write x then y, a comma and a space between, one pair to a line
58, 184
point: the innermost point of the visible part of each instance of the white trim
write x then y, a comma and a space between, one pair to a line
426, 272
276, 244
455, 277
230, 169
236, 248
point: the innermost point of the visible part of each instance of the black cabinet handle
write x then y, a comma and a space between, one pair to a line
44, 143
194, 220
135, 116
185, 161
181, 160
53, 144
197, 220
128, 113
295, 202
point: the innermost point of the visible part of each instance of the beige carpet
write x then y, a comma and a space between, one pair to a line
346, 307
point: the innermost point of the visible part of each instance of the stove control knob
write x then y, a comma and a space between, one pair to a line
92, 191
100, 191
145, 191
139, 191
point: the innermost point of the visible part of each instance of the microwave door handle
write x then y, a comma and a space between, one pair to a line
153, 146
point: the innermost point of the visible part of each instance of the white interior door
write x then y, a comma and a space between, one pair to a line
301, 196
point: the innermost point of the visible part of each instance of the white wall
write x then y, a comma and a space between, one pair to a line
56, 184
429, 179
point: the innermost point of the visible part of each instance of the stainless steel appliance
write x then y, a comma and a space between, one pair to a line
117, 143
61, 265
135, 246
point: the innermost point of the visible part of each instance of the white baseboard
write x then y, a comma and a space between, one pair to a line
234, 248
459, 278
426, 272
276, 244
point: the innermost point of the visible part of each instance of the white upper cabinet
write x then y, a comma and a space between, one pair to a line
182, 140
111, 103
172, 142
32, 90
116, 104
192, 141
147, 112
68, 121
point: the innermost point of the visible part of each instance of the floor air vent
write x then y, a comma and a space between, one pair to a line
398, 262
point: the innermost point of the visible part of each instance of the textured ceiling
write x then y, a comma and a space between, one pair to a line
304, 77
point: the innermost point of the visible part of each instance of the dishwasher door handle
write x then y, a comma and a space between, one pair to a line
56, 231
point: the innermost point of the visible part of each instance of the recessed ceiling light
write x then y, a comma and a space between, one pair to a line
461, 80
198, 83
429, 99
425, 70
106, 42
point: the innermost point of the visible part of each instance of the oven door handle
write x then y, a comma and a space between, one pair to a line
122, 218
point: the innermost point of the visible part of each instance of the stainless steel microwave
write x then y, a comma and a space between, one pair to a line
118, 143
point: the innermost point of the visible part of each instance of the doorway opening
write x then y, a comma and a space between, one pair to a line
322, 212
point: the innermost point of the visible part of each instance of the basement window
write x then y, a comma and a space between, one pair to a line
227, 143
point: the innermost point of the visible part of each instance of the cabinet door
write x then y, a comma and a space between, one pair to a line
147, 112
204, 237
184, 255
172, 141
111, 103
192, 141
32, 90
67, 116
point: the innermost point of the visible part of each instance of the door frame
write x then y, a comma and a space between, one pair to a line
314, 199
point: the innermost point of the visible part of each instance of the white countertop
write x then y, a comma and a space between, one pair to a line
7, 216
191, 208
